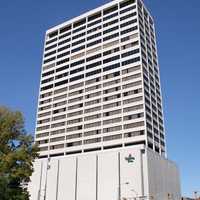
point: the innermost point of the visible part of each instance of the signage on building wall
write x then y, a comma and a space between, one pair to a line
130, 158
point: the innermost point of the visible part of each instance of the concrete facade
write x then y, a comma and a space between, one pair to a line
129, 173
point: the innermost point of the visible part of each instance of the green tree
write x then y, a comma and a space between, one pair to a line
17, 153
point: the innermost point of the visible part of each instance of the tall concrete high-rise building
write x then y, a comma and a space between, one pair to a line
100, 108
100, 83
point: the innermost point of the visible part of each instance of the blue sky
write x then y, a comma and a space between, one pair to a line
23, 25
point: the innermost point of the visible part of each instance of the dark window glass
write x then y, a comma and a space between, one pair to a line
111, 36
129, 30
128, 9
77, 70
62, 61
93, 57
126, 3
65, 35
76, 78
94, 16
93, 65
48, 73
51, 41
94, 43
94, 23
53, 34
110, 16
131, 61
49, 60
64, 48
110, 23
111, 59
130, 53
94, 36
128, 16
114, 66
47, 87
64, 41
93, 72
50, 53
94, 29
77, 36
79, 23
47, 80
64, 29
50, 47
79, 29
63, 54
78, 49
62, 75
110, 51
128, 23
61, 83
77, 63
110, 10
110, 30
62, 68
78, 42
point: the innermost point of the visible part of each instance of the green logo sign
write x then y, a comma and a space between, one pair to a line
130, 158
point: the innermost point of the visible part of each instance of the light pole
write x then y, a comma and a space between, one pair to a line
196, 195
119, 189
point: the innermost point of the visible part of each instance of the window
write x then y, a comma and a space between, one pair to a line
112, 137
78, 63
77, 70
76, 78
93, 57
94, 43
110, 23
62, 61
111, 37
128, 23
94, 16
127, 62
114, 66
133, 125
49, 60
110, 10
133, 108
61, 83
65, 29
93, 72
111, 59
126, 3
93, 65
53, 34
111, 30
79, 23
129, 30
47, 87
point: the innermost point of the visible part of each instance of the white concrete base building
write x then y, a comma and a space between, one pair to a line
114, 174
100, 121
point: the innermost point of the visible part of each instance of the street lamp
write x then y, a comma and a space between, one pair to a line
196, 195
119, 189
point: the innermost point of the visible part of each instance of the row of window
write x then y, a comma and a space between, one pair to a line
90, 18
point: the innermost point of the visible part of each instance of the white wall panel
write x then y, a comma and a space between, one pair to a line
52, 180
86, 179
108, 176
67, 178
35, 180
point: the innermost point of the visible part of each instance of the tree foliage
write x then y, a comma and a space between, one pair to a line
17, 154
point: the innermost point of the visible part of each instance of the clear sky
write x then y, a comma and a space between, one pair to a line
22, 27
